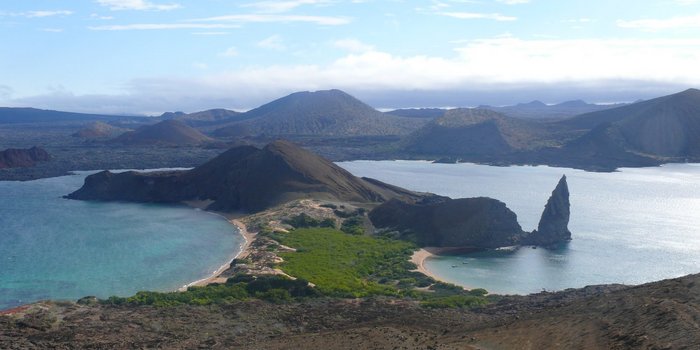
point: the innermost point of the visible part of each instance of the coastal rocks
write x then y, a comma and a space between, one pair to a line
553, 227
443, 222
22, 158
436, 221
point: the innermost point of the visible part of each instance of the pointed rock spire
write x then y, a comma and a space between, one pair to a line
553, 227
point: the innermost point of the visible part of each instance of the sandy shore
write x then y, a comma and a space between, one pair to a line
420, 256
244, 251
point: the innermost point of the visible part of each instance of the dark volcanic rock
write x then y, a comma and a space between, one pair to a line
475, 222
444, 222
553, 227
22, 158
244, 178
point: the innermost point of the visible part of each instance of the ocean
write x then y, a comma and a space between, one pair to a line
55, 248
631, 226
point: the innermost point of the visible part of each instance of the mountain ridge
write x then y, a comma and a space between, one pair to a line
324, 112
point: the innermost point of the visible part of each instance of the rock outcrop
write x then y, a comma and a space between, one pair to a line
244, 178
554, 223
436, 221
443, 222
22, 158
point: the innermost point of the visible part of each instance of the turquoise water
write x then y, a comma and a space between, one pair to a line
631, 226
54, 248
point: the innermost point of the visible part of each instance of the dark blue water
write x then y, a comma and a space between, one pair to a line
54, 248
631, 226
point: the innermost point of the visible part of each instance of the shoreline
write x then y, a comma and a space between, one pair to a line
421, 255
248, 238
244, 251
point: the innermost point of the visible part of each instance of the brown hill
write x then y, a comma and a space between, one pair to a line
467, 132
169, 132
328, 113
667, 126
207, 121
22, 158
99, 130
243, 178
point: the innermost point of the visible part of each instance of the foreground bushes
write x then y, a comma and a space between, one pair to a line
270, 288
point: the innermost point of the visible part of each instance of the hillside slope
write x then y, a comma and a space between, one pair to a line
465, 132
22, 158
667, 126
243, 178
97, 130
658, 315
169, 132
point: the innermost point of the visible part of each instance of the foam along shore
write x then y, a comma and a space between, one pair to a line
243, 251
215, 277
421, 255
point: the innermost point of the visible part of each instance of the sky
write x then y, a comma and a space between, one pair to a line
152, 56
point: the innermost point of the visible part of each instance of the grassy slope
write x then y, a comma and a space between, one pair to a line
346, 265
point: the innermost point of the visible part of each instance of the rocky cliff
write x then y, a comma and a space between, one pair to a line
22, 158
472, 222
554, 223
444, 222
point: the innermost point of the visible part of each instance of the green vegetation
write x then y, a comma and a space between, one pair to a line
354, 226
453, 301
338, 264
275, 289
344, 265
303, 220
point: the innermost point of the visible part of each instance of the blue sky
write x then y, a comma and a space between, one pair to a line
150, 56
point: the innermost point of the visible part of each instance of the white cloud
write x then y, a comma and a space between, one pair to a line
491, 61
283, 6
661, 24
273, 42
268, 18
514, 2
52, 30
211, 33
578, 20
477, 15
230, 52
38, 14
100, 17
163, 26
353, 45
200, 65
116, 5
5, 92
494, 64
